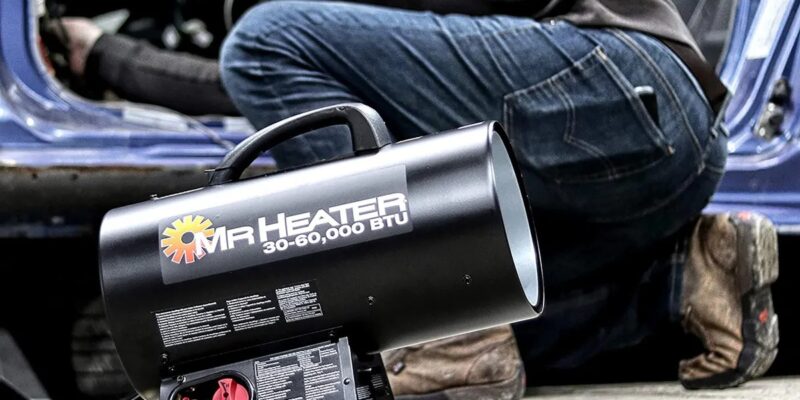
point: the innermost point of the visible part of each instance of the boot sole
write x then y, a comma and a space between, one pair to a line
509, 389
757, 270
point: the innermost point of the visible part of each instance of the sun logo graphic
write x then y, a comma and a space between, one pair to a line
180, 242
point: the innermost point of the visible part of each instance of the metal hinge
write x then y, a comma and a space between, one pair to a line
771, 120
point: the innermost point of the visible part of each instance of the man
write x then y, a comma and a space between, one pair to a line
613, 116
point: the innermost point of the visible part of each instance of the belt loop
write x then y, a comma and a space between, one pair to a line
720, 119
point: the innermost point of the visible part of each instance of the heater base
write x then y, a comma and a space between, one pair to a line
323, 371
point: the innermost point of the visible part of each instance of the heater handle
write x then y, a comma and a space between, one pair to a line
367, 129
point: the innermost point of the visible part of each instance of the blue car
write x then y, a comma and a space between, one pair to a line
65, 160
71, 159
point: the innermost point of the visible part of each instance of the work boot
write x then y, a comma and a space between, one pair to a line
483, 365
726, 301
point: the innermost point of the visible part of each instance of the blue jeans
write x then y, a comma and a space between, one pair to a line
612, 185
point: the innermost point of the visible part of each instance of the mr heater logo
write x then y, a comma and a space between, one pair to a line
182, 242
190, 238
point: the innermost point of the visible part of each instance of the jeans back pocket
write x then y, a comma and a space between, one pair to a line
584, 124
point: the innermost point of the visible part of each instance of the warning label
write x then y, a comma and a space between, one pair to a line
192, 324
299, 302
252, 312
311, 373
224, 317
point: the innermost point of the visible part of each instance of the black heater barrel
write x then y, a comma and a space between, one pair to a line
399, 244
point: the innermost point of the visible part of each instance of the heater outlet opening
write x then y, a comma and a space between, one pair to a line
520, 235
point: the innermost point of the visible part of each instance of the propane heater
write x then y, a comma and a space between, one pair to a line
286, 286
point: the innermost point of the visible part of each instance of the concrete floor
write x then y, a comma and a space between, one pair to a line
773, 388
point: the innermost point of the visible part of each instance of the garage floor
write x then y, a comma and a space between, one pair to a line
777, 388
61, 278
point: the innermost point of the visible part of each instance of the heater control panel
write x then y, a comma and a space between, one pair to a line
327, 370
223, 388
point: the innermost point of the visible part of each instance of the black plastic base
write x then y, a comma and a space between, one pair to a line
328, 370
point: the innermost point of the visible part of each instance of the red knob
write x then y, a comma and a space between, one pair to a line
229, 389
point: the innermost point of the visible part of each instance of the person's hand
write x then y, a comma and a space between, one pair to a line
81, 34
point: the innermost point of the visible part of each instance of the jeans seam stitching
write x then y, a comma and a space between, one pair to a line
558, 76
619, 174
508, 114
707, 166
666, 200
506, 32
712, 168
569, 130
307, 145
682, 188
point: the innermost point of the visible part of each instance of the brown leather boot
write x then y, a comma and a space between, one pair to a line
483, 365
726, 301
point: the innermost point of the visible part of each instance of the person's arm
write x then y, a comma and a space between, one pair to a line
141, 72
